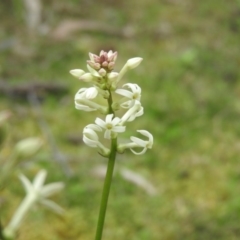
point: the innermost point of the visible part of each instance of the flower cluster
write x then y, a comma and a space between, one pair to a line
105, 83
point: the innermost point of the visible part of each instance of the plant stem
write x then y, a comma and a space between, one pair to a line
1, 232
106, 190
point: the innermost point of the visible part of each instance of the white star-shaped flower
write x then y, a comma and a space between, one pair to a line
111, 126
133, 95
40, 193
36, 193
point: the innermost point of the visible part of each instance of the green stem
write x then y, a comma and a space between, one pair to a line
110, 101
106, 190
108, 178
1, 232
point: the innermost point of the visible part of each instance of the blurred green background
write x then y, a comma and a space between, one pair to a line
190, 91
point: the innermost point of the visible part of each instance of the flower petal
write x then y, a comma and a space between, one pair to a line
139, 153
124, 93
51, 189
26, 183
100, 122
39, 179
119, 129
90, 134
147, 134
52, 205
94, 127
91, 93
84, 107
138, 141
116, 120
109, 118
107, 134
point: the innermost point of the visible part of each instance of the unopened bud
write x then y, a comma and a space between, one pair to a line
102, 72
77, 72
112, 57
94, 65
111, 65
104, 64
28, 147
87, 77
134, 62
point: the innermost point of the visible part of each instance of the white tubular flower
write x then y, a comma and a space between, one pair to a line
36, 193
130, 64
83, 102
111, 126
91, 139
138, 143
77, 73
132, 113
133, 95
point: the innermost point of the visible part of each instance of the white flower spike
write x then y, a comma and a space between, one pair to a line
111, 126
105, 83
105, 80
138, 143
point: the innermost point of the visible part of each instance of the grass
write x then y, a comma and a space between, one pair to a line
190, 83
